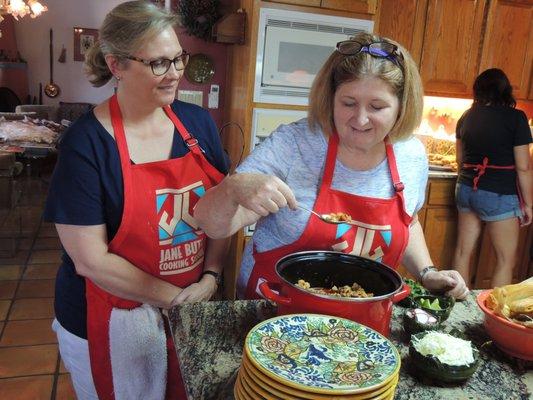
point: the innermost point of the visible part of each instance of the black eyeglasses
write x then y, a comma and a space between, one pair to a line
377, 49
162, 65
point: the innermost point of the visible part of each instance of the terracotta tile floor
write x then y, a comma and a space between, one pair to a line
30, 366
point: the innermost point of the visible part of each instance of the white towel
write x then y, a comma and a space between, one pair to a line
138, 350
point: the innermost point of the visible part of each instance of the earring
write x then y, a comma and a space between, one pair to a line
118, 78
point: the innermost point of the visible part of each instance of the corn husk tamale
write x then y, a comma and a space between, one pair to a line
513, 302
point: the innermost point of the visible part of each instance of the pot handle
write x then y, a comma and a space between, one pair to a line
402, 294
268, 291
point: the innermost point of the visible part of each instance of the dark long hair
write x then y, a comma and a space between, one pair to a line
493, 87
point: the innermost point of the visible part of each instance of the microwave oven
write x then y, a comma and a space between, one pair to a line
291, 48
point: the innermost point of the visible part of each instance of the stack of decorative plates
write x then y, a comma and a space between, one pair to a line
317, 357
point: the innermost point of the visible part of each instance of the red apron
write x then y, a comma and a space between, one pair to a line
158, 235
481, 169
381, 231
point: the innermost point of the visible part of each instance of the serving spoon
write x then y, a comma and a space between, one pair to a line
324, 217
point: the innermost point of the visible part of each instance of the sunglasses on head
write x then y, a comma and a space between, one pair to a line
376, 49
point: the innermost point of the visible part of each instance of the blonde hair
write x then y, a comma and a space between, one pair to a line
124, 30
339, 69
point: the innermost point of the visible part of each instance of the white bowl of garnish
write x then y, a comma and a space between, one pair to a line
442, 356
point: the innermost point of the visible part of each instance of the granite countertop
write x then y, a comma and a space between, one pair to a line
209, 338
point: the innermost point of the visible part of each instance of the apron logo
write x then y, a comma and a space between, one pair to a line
365, 240
179, 233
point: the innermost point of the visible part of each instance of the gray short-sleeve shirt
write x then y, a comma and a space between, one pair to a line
297, 155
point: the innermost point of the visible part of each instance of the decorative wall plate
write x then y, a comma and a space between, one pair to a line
199, 69
322, 354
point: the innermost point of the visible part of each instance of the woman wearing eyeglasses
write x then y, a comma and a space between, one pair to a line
128, 176
356, 154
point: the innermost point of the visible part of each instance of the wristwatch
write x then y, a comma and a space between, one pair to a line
425, 271
218, 277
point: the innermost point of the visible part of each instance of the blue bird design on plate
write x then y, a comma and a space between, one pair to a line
315, 355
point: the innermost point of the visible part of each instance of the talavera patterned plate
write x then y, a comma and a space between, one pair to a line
322, 354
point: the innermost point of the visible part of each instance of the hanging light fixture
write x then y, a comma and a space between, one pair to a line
19, 8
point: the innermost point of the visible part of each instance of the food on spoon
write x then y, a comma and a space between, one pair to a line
513, 302
344, 291
338, 217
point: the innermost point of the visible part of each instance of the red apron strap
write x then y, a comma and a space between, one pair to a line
98, 313
396, 182
395, 176
120, 135
331, 158
481, 169
190, 141
122, 145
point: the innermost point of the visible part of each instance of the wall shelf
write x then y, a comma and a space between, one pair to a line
13, 65
230, 28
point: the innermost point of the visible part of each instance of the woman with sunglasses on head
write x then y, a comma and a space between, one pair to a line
494, 184
356, 154
128, 176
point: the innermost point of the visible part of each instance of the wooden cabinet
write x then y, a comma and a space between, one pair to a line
440, 221
443, 37
454, 40
508, 42
309, 3
440, 230
449, 60
487, 260
357, 6
404, 21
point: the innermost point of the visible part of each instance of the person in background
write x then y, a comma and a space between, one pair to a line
495, 183
355, 153
128, 175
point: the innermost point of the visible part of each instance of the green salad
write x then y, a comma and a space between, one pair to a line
416, 290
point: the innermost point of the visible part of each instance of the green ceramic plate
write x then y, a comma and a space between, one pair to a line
322, 354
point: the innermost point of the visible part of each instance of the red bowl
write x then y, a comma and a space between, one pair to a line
512, 338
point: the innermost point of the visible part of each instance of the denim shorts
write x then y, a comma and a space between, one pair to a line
488, 206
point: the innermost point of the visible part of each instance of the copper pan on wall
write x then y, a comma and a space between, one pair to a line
51, 89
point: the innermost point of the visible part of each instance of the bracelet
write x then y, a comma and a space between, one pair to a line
216, 275
425, 271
